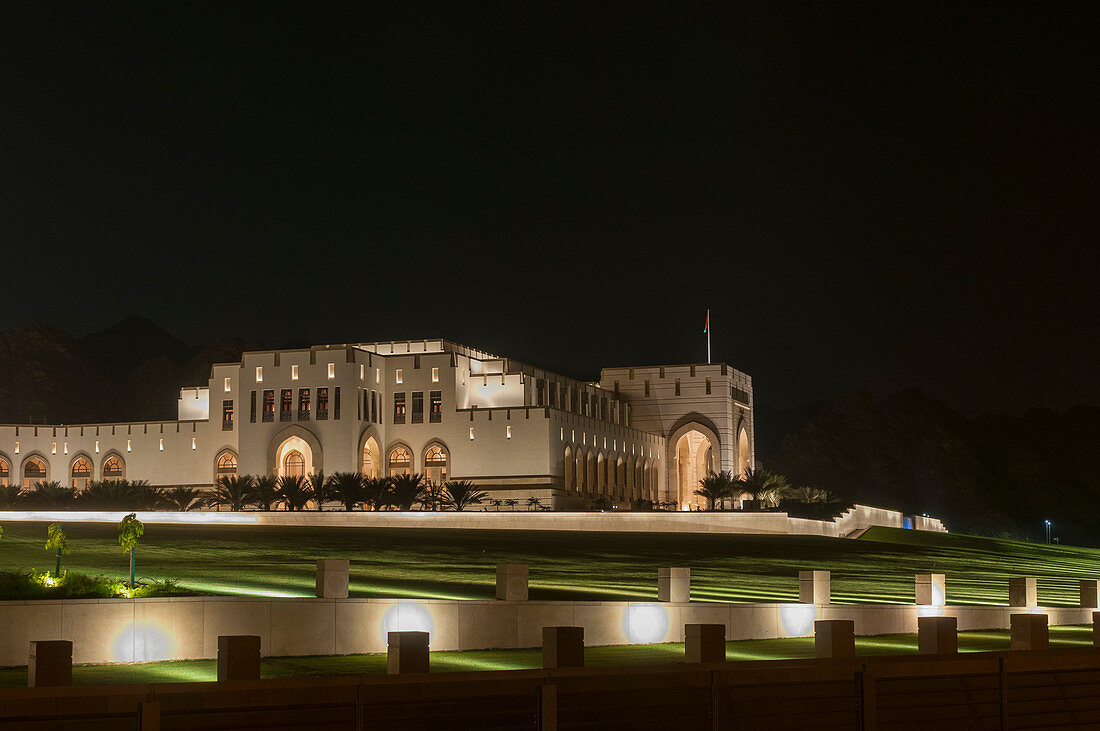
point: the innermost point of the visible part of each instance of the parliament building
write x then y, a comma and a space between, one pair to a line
433, 407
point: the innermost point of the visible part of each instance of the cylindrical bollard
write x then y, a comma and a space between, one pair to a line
814, 587
238, 657
674, 584
1029, 632
705, 643
1022, 592
333, 576
512, 581
834, 638
49, 663
563, 647
407, 652
937, 635
931, 589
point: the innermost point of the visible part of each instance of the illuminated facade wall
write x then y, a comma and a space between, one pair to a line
429, 406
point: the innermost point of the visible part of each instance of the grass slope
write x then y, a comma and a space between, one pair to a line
298, 667
429, 563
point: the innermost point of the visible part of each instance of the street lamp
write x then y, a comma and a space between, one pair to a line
1048, 530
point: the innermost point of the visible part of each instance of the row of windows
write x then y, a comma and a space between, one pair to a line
286, 406
435, 407
400, 462
80, 473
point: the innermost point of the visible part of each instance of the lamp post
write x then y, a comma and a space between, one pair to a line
1048, 530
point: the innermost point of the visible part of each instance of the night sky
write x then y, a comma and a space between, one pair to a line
864, 196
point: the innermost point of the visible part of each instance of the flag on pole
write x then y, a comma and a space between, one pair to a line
706, 325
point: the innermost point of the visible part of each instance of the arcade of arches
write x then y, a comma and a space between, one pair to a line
609, 475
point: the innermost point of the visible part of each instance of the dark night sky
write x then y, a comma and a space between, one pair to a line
863, 195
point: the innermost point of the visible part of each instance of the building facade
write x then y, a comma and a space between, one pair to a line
427, 406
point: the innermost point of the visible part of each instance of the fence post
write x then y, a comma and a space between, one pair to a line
548, 707
149, 715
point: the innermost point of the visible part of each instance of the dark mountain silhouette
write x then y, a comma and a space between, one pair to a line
131, 371
990, 475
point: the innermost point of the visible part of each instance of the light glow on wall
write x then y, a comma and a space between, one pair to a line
645, 624
797, 620
407, 617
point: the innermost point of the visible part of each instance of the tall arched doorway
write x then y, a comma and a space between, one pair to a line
435, 464
744, 456
372, 459
694, 457
293, 458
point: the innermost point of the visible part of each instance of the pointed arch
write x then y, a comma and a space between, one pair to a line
226, 464
112, 467
371, 457
295, 438
601, 474
437, 462
568, 472
34, 468
81, 470
399, 460
5, 470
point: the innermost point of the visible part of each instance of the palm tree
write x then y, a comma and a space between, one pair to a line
265, 492
714, 487
406, 491
181, 499
140, 495
53, 494
512, 503
496, 503
375, 492
347, 487
231, 491
810, 495
293, 492
461, 494
10, 495
434, 495
534, 503
320, 489
765, 487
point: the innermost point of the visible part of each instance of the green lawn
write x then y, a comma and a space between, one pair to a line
455, 564
296, 667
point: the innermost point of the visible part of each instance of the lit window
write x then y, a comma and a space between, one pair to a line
194, 443
435, 375
435, 406
400, 462
228, 386
65, 448
471, 434
435, 464
53, 449
377, 375
112, 468
399, 408
508, 432
162, 444
561, 435
97, 446
399, 376
332, 370
294, 373
227, 464
259, 374
17, 447
362, 371
129, 445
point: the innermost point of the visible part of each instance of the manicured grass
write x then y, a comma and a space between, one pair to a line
453, 564
297, 667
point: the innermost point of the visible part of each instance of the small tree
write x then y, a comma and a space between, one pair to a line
512, 503
715, 487
293, 492
58, 543
265, 492
406, 491
461, 494
347, 487
180, 499
375, 492
320, 489
130, 531
534, 503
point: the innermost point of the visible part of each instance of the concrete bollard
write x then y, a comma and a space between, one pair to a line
937, 635
238, 657
705, 643
1022, 592
674, 585
512, 581
834, 638
931, 589
814, 587
1090, 593
49, 663
333, 577
407, 652
563, 647
1029, 632
1096, 629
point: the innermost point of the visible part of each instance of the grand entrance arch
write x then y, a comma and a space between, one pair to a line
694, 451
372, 458
294, 451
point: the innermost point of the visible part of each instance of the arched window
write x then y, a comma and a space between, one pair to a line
372, 465
567, 464
400, 462
5, 472
295, 464
227, 463
81, 473
435, 464
33, 471
113, 469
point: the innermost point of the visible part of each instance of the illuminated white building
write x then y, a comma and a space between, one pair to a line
428, 406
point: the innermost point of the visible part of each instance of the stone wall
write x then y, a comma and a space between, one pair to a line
853, 521
137, 630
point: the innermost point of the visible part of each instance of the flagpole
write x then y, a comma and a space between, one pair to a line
708, 337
